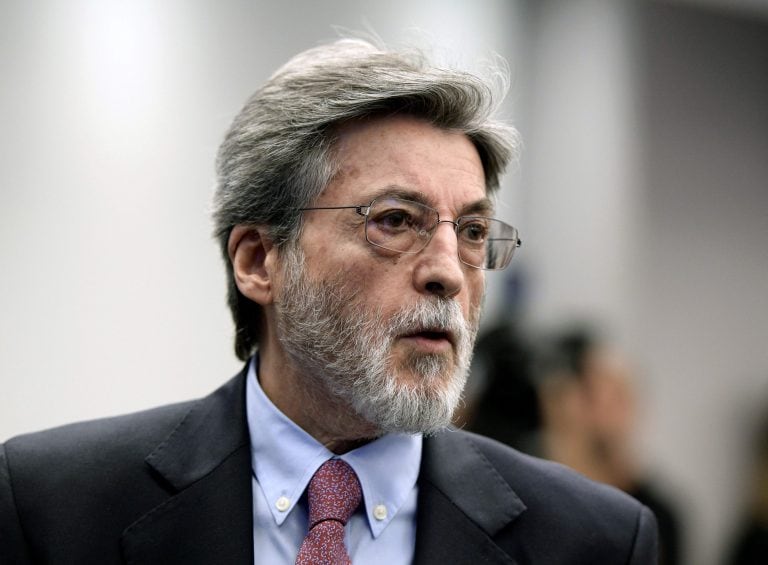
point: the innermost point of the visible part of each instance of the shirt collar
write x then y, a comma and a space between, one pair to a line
284, 460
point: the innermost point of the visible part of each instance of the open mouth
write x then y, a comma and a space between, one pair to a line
431, 338
433, 334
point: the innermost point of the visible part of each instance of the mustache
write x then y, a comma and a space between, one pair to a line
437, 315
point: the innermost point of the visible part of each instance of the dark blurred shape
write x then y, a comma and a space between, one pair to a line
750, 546
508, 407
571, 399
670, 546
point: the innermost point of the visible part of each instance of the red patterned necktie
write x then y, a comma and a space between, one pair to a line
334, 494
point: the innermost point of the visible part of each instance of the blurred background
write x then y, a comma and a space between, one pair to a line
641, 195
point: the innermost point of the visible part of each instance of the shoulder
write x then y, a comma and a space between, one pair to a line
544, 480
98, 441
529, 475
80, 484
562, 512
112, 452
74, 490
115, 441
86, 469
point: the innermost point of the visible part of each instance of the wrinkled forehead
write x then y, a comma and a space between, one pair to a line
410, 158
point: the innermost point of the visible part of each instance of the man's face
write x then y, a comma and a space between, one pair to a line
390, 334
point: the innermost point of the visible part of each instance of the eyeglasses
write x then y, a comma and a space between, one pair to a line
406, 226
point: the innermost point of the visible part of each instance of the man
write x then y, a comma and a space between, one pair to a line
354, 216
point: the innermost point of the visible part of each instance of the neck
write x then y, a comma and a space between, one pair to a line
310, 405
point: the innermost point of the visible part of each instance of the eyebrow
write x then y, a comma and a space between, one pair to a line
483, 206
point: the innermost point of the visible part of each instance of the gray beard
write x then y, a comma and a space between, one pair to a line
343, 344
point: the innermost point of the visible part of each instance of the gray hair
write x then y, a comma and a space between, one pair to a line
278, 154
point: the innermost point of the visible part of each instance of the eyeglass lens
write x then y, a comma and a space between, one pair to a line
407, 226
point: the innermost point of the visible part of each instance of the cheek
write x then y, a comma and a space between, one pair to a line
475, 291
374, 267
368, 278
383, 282
347, 259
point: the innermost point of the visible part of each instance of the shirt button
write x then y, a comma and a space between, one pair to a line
380, 512
282, 504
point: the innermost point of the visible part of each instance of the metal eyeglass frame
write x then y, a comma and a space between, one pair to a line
364, 210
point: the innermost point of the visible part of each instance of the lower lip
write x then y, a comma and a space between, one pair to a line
428, 345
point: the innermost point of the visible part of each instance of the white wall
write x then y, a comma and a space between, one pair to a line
703, 270
580, 168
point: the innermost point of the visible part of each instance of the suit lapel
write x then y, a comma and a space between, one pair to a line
206, 467
463, 503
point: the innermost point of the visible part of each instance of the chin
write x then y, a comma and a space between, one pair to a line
412, 400
427, 369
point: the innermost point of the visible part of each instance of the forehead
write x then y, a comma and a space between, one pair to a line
405, 155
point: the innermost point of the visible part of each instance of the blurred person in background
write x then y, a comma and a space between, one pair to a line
571, 399
354, 213
589, 417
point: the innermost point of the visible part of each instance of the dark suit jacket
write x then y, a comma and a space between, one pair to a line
173, 485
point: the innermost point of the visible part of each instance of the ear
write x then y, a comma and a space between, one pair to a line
253, 255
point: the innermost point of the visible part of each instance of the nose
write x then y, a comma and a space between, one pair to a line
438, 270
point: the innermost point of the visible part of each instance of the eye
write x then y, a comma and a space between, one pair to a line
474, 230
396, 216
394, 219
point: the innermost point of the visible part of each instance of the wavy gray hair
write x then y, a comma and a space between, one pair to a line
278, 154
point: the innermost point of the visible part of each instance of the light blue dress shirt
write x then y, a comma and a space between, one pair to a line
284, 457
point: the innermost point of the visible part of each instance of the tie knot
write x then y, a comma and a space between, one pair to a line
334, 492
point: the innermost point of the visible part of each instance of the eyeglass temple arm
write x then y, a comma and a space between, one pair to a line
517, 241
361, 209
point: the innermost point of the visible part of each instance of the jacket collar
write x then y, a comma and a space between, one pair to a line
463, 503
205, 465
